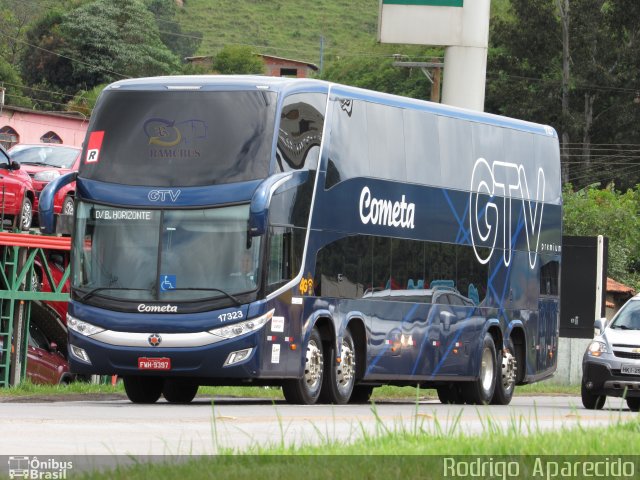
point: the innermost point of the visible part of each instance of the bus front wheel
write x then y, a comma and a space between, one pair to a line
341, 375
179, 390
143, 389
306, 390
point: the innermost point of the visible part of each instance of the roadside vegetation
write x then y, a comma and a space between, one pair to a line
385, 393
410, 453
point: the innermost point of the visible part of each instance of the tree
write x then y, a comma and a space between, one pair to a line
114, 39
238, 59
580, 76
84, 100
41, 63
379, 74
10, 79
592, 211
182, 44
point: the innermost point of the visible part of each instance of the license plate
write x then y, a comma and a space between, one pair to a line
162, 363
630, 370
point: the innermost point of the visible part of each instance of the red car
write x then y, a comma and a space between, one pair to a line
57, 261
45, 162
45, 363
17, 195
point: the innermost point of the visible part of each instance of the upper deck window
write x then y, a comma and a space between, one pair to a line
180, 138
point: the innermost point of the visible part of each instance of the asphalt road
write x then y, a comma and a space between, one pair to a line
118, 427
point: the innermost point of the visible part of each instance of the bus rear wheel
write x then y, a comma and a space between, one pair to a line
480, 391
341, 377
143, 389
450, 394
361, 394
306, 390
505, 378
179, 390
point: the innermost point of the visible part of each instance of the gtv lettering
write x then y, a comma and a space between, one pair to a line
485, 219
162, 195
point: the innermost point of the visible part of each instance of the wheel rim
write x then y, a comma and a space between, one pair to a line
486, 371
508, 371
313, 368
68, 208
26, 215
346, 369
35, 283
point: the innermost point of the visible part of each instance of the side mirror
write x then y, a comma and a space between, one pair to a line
53, 347
14, 165
599, 325
45, 207
259, 209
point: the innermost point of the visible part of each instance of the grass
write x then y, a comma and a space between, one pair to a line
413, 452
293, 29
27, 389
284, 28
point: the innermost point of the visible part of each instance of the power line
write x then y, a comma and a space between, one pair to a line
64, 56
25, 87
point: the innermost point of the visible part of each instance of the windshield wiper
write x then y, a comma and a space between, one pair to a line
39, 164
91, 293
228, 295
621, 327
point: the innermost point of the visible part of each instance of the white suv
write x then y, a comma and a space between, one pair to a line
611, 364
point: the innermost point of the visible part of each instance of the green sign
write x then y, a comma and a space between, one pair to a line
428, 3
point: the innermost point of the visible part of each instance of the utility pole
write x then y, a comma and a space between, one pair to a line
433, 77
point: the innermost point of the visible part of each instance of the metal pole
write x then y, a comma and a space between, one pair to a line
599, 279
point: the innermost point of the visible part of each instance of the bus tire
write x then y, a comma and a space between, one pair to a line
480, 391
341, 376
143, 389
179, 390
361, 394
505, 378
450, 394
306, 390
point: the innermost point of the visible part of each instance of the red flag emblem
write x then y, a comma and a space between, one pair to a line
94, 146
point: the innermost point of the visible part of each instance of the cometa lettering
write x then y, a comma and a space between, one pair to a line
157, 308
386, 212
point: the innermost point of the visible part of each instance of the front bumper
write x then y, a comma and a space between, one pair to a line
603, 377
206, 361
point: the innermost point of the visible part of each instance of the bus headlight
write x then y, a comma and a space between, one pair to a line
83, 328
242, 328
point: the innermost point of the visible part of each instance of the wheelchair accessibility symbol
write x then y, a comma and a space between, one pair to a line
167, 282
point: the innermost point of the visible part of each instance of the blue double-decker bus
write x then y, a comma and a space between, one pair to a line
313, 236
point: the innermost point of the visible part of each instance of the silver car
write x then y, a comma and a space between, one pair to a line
611, 364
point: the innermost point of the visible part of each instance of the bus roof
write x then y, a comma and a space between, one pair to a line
286, 85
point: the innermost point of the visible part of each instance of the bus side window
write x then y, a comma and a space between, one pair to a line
284, 256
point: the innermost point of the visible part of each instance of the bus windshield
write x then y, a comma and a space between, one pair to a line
163, 255
180, 138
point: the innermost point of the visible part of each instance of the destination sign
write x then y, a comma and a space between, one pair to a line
113, 214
